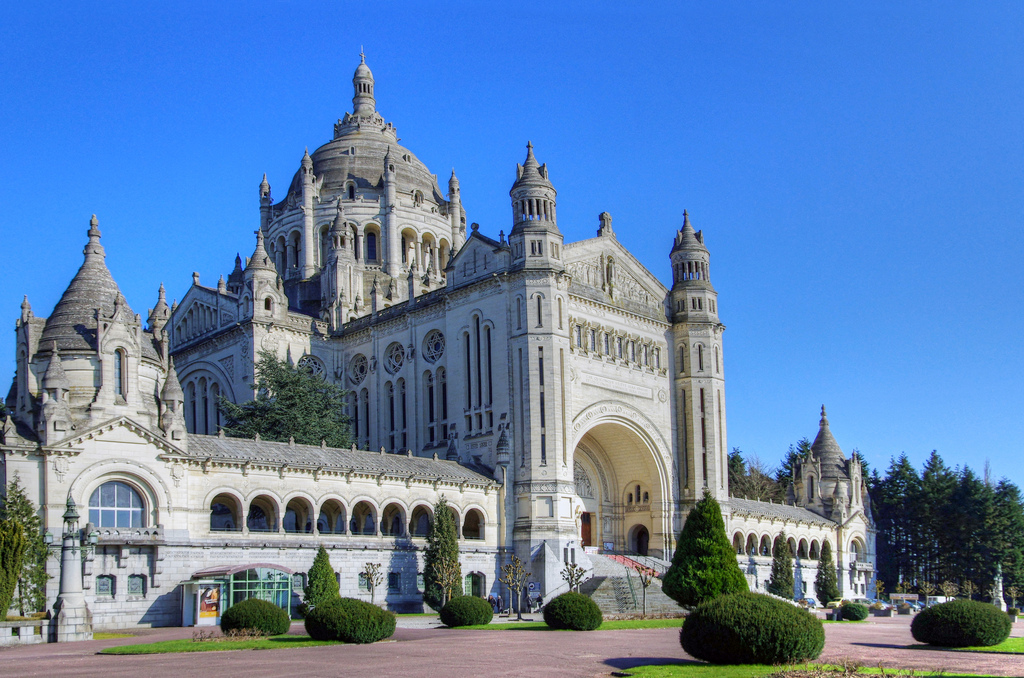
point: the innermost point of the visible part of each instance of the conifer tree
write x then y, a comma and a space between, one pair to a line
704, 565
442, 574
30, 595
781, 582
321, 584
825, 584
291, 402
12, 548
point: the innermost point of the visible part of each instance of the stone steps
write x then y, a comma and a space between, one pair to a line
617, 590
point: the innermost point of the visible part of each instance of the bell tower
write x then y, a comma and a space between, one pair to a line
699, 372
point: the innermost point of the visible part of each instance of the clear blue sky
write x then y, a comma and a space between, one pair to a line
857, 168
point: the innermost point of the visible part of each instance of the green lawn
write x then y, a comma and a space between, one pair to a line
1011, 645
110, 636
700, 670
610, 625
189, 645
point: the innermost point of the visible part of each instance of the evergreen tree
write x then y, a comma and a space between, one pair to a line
893, 501
737, 470
441, 557
781, 582
12, 548
30, 595
291, 402
704, 565
825, 583
321, 584
784, 474
932, 506
1008, 532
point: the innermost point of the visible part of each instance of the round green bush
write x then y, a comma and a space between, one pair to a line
855, 612
751, 628
961, 623
466, 611
573, 611
349, 620
257, 615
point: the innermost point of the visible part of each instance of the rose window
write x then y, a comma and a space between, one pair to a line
394, 357
433, 346
312, 365
357, 369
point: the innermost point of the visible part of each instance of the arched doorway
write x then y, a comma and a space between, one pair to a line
622, 483
640, 541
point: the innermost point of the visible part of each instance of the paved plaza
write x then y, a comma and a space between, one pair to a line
419, 648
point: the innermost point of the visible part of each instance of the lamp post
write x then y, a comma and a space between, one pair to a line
72, 620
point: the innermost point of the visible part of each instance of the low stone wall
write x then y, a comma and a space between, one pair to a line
24, 632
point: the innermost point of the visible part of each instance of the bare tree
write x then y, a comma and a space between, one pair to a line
1014, 594
573, 575
514, 577
374, 578
448, 572
646, 575
968, 588
949, 589
879, 589
927, 588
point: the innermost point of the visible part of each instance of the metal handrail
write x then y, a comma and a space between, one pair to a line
629, 580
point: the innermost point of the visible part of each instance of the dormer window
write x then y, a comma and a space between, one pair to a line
120, 374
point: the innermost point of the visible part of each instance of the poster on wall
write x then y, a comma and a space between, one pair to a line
209, 601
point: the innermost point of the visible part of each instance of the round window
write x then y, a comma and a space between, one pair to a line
433, 346
357, 369
394, 357
312, 365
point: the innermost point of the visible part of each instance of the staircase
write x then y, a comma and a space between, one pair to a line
616, 588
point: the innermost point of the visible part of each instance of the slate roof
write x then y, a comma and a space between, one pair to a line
72, 325
360, 461
826, 450
782, 511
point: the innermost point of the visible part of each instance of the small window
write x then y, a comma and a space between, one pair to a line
394, 581
137, 585
364, 583
647, 498
120, 383
268, 304
420, 582
352, 190
104, 586
299, 581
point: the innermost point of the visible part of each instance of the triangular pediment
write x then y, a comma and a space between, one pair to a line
479, 258
120, 430
602, 267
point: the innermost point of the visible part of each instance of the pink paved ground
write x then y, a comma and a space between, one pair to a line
443, 653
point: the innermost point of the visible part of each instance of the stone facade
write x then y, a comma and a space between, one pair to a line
557, 394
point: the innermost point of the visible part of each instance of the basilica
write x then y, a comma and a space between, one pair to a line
568, 405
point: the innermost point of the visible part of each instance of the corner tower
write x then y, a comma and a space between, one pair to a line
699, 369
535, 239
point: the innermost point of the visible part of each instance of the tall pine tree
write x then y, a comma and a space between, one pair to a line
781, 582
12, 548
442, 550
321, 583
704, 565
30, 594
826, 584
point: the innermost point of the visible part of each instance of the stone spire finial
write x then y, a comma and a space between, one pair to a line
307, 162
264, 187
93, 247
363, 103
824, 418
260, 259
26, 309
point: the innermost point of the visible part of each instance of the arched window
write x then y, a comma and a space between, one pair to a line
540, 312
473, 525
116, 504
351, 191
371, 247
120, 380
700, 357
718, 365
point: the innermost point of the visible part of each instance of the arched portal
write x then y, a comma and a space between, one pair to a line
622, 484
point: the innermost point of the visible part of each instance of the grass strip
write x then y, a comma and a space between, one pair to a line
111, 636
701, 670
609, 625
189, 645
1008, 646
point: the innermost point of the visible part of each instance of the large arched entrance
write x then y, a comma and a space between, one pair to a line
622, 487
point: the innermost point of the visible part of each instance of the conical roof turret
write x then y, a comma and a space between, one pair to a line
172, 387
260, 260
363, 102
264, 187
72, 325
55, 377
687, 238
531, 173
826, 450
161, 312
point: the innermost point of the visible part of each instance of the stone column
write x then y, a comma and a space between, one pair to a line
72, 619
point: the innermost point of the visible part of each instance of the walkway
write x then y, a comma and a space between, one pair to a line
414, 651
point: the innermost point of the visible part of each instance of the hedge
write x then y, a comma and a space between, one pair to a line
573, 611
257, 615
466, 611
349, 620
961, 623
751, 628
855, 612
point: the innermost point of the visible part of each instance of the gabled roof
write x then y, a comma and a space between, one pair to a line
312, 456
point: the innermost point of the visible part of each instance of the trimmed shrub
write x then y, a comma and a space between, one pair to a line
257, 615
573, 611
322, 584
751, 628
466, 611
349, 620
855, 612
1013, 611
961, 623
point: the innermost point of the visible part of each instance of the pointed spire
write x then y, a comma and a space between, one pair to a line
264, 187
172, 387
55, 377
160, 313
453, 182
260, 260
93, 248
26, 309
307, 162
824, 418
